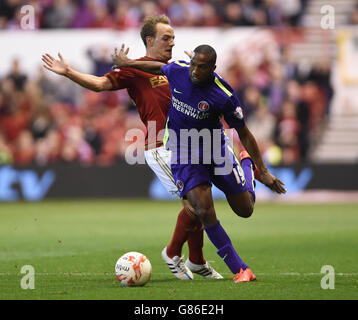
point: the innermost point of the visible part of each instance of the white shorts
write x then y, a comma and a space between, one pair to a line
158, 159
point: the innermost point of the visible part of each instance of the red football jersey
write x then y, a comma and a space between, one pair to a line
150, 93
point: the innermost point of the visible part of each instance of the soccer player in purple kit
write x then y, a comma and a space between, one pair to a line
199, 98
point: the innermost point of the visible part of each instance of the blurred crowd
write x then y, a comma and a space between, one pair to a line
48, 119
284, 104
126, 14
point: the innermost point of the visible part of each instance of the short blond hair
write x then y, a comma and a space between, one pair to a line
149, 26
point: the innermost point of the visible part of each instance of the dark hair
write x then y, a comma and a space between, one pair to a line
149, 26
208, 50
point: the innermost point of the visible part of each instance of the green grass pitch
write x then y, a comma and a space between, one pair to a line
73, 247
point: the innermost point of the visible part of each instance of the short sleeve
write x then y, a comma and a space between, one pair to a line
176, 66
166, 69
120, 79
233, 113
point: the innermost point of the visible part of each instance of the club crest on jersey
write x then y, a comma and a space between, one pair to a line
180, 185
203, 106
238, 113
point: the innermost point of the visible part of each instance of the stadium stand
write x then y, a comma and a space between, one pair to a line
42, 122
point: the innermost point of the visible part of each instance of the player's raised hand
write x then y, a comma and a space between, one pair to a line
120, 58
58, 66
270, 181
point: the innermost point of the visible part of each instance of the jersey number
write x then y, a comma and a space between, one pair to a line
239, 175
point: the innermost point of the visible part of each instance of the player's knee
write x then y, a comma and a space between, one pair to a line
247, 211
190, 211
206, 215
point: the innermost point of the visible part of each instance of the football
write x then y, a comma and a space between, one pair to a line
133, 269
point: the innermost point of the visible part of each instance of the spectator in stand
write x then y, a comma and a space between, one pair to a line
262, 125
59, 14
320, 74
164, 6
260, 17
41, 156
126, 17
24, 148
291, 11
149, 8
273, 12
8, 10
75, 147
18, 77
251, 98
276, 88
102, 17
185, 13
286, 133
294, 94
92, 136
41, 123
288, 64
101, 59
354, 16
48, 149
84, 15
314, 97
68, 93
233, 15
209, 17
248, 11
15, 110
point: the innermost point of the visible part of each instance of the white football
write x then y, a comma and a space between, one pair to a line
133, 269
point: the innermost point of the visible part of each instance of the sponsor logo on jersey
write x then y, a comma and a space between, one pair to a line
203, 106
238, 113
176, 91
189, 110
158, 81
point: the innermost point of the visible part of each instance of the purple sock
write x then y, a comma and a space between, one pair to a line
248, 167
222, 242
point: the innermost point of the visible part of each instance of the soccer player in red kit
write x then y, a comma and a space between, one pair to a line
151, 95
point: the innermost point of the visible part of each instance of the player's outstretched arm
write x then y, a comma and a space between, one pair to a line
87, 81
249, 142
120, 59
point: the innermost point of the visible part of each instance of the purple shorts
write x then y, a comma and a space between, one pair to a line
188, 176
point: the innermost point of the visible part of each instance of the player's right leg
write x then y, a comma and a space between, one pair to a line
200, 197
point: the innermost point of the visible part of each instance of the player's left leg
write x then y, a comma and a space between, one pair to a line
188, 226
238, 188
239, 184
243, 203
